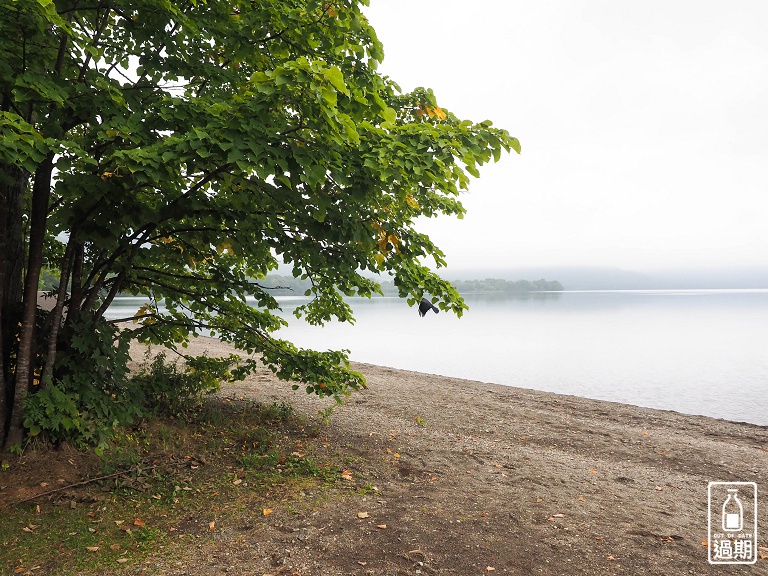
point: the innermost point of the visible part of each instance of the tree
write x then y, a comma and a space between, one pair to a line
179, 150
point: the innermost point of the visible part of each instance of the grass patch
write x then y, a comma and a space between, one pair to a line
161, 485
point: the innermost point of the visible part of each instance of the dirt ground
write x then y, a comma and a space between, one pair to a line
468, 478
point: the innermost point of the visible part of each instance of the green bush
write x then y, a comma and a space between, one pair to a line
172, 388
92, 392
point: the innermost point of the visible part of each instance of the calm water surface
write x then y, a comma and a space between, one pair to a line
697, 352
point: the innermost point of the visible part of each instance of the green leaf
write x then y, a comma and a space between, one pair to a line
389, 114
329, 95
336, 78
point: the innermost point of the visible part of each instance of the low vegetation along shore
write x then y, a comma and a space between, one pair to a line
418, 474
282, 285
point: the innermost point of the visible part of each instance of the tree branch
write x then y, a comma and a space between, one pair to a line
88, 481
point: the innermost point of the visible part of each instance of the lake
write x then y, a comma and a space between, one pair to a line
694, 351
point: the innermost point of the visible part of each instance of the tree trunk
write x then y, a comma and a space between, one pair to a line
13, 185
53, 322
41, 192
76, 295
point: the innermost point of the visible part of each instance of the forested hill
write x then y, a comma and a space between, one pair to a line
288, 285
496, 285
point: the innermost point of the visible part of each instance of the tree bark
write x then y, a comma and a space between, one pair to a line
41, 192
53, 322
13, 185
76, 294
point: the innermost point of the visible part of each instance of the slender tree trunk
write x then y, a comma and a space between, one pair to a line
113, 291
54, 318
41, 192
76, 295
13, 185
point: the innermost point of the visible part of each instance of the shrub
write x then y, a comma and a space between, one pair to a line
92, 392
171, 388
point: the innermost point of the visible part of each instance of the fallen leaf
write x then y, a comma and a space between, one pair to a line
598, 538
659, 489
382, 526
490, 569
763, 553
118, 522
581, 499
558, 515
592, 471
362, 563
212, 525
347, 475
609, 557
363, 515
92, 548
139, 522
19, 570
396, 455
44, 484
645, 432
539, 500
705, 543
122, 560
237, 482
115, 547
267, 511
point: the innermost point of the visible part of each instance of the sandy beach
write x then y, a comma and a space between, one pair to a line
436, 475
475, 478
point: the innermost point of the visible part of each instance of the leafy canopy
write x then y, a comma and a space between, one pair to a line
196, 144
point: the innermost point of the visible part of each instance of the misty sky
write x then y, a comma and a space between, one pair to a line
644, 126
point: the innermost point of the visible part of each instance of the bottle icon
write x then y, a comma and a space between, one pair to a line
733, 512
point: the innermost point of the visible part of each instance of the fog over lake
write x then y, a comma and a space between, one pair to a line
693, 351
